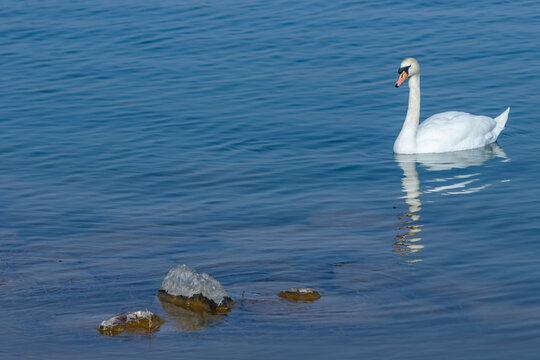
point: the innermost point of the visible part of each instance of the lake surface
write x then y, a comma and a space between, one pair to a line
253, 141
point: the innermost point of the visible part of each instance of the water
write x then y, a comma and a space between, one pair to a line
253, 141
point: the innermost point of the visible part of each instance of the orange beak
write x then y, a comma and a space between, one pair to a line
401, 78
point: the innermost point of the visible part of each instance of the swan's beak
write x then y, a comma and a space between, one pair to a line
401, 78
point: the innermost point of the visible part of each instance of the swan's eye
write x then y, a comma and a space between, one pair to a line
404, 68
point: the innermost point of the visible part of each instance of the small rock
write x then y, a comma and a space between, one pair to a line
303, 294
145, 321
184, 287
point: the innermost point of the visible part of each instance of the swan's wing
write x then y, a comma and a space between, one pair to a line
454, 130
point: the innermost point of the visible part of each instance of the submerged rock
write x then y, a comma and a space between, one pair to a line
185, 287
138, 321
189, 321
303, 294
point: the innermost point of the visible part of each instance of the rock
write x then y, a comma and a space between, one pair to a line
303, 294
184, 287
189, 321
138, 321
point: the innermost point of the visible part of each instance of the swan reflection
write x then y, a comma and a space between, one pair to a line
408, 241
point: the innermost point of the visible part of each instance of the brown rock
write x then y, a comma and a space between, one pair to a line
138, 321
300, 294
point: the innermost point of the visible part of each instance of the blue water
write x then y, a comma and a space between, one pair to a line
253, 141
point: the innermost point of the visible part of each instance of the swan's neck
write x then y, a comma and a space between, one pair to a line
406, 141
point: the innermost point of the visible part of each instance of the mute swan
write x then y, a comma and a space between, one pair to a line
447, 131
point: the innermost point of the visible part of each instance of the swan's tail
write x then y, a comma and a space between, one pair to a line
500, 121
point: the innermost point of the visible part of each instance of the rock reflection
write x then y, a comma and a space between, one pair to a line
407, 242
189, 321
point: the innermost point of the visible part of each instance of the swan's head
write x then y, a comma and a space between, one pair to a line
408, 68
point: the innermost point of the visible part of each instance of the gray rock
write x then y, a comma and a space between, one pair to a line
194, 291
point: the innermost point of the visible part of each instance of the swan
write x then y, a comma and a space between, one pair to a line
443, 132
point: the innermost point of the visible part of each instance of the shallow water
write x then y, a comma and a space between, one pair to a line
253, 141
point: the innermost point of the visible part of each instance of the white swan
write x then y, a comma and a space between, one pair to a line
447, 131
